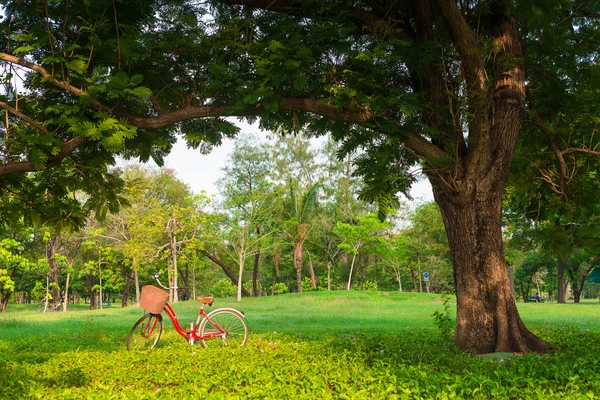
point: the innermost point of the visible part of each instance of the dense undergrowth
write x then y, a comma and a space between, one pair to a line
89, 361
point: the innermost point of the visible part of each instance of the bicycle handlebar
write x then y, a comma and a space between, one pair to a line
155, 276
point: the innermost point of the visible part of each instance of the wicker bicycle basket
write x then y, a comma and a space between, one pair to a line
153, 299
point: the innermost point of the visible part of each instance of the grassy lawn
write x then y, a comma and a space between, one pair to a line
314, 345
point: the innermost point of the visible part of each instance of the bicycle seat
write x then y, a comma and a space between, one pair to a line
205, 300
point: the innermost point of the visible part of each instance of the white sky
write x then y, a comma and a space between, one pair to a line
201, 171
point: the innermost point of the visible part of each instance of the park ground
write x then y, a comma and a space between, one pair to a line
346, 345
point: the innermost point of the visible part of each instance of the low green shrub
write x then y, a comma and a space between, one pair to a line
224, 288
280, 288
444, 321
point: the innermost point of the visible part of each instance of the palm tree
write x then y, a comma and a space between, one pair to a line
301, 209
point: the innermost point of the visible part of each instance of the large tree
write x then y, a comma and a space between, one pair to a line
438, 82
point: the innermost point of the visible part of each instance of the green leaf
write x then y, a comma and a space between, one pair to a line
23, 50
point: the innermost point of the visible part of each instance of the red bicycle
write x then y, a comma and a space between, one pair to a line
225, 326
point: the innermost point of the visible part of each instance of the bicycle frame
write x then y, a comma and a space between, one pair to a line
191, 335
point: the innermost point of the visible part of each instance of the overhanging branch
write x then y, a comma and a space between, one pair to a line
27, 166
24, 117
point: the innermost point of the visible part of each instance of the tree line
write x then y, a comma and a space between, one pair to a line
287, 219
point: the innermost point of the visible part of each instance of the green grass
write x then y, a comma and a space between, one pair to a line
315, 345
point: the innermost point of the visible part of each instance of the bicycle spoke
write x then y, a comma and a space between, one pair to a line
145, 333
231, 326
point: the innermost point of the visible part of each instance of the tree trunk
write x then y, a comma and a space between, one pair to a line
561, 267
276, 260
4, 302
511, 278
311, 270
298, 246
89, 284
414, 280
51, 249
101, 295
349, 284
469, 188
136, 278
256, 275
241, 271
127, 280
66, 294
576, 294
186, 282
329, 276
256, 272
578, 285
487, 319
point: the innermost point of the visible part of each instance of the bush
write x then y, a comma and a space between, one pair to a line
280, 288
224, 288
306, 287
370, 286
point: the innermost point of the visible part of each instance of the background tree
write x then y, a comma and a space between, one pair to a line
246, 190
423, 244
11, 263
366, 231
301, 207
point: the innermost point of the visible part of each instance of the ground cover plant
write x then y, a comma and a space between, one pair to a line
314, 345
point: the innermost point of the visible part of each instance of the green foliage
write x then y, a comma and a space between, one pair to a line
370, 286
11, 264
444, 321
307, 287
224, 288
280, 288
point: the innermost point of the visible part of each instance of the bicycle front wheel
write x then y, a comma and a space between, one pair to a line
230, 326
145, 333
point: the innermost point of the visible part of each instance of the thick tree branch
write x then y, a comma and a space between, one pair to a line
466, 43
424, 149
27, 166
188, 112
49, 77
24, 117
472, 63
435, 85
417, 144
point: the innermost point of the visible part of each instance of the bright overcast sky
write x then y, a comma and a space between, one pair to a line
201, 171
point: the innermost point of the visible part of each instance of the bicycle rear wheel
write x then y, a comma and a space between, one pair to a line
229, 323
145, 333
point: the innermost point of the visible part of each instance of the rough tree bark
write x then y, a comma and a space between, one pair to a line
90, 280
298, 245
301, 233
127, 281
561, 267
471, 200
